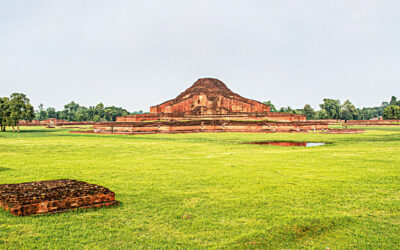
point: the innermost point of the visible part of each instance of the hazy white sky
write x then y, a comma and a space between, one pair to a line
136, 54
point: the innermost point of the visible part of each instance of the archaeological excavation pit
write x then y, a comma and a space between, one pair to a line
288, 143
53, 196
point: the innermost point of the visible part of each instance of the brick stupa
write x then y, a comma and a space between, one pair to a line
209, 106
209, 96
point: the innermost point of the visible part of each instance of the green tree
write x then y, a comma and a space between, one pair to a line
369, 113
70, 110
63, 114
20, 109
81, 114
321, 114
4, 112
348, 111
96, 118
112, 112
393, 101
391, 112
51, 113
140, 112
309, 112
99, 110
41, 114
269, 103
331, 107
287, 109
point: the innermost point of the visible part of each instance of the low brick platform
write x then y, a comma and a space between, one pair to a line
53, 196
196, 126
344, 131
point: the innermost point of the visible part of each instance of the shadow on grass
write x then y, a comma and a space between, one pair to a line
44, 130
377, 138
4, 169
26, 133
294, 232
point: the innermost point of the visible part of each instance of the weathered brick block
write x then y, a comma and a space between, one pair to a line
53, 196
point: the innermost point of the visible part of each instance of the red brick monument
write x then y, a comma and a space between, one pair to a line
209, 106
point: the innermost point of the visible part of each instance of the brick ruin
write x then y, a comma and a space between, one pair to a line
372, 122
53, 196
53, 122
209, 106
196, 126
209, 98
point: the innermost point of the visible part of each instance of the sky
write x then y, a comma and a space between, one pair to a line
136, 54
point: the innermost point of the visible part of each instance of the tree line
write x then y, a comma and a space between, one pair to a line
17, 107
334, 109
75, 112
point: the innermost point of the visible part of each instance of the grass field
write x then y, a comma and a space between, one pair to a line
211, 190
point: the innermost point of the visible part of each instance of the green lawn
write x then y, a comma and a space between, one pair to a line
211, 190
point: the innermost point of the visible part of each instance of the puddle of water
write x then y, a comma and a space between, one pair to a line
314, 144
289, 143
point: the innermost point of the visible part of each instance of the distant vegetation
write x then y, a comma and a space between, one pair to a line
333, 109
17, 107
75, 112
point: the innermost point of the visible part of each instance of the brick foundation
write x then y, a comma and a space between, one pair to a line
53, 196
207, 126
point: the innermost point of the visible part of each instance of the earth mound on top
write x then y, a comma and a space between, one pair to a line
209, 87
209, 96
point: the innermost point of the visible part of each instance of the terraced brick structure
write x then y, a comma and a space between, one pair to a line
53, 196
210, 98
209, 106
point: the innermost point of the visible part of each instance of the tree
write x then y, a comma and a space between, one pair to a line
309, 111
81, 114
393, 101
391, 112
51, 113
70, 111
74, 112
287, 109
4, 112
369, 113
321, 114
348, 111
140, 112
99, 110
112, 112
269, 103
41, 114
20, 109
96, 118
332, 108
